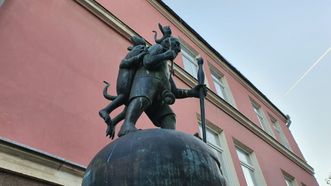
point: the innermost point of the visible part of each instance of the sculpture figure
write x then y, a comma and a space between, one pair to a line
126, 73
152, 89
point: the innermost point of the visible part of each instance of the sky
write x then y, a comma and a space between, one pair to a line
283, 48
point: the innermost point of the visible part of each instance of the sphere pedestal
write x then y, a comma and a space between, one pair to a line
154, 157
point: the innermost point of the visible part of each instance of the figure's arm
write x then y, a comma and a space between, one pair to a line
133, 61
156, 57
185, 93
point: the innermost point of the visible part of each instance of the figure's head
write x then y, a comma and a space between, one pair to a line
136, 41
171, 43
166, 31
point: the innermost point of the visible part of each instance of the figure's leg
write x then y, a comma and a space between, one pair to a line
168, 121
111, 125
104, 113
135, 108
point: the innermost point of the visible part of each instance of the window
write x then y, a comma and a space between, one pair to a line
289, 180
217, 143
279, 133
249, 164
262, 119
246, 166
190, 64
221, 86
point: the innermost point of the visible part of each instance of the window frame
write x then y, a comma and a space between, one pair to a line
221, 80
254, 164
225, 158
288, 179
190, 63
248, 165
264, 124
280, 133
190, 55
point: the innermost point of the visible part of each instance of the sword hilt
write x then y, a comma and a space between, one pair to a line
201, 73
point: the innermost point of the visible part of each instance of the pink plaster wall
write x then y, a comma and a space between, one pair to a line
54, 55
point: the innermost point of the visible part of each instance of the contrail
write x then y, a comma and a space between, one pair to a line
307, 71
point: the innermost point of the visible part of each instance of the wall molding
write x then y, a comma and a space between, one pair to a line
27, 161
126, 32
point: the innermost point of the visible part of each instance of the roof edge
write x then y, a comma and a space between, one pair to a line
196, 34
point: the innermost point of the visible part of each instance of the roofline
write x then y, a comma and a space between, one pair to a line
176, 16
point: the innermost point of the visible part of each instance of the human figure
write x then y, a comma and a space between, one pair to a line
151, 81
127, 69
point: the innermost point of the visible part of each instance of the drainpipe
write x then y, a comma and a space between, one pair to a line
288, 121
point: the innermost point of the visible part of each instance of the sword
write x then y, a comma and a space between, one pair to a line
201, 81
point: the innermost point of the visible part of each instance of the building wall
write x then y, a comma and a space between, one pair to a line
143, 18
54, 56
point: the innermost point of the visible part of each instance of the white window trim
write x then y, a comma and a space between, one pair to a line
191, 59
278, 129
289, 178
189, 52
258, 175
228, 165
222, 80
265, 125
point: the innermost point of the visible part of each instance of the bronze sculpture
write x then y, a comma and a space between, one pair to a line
149, 85
152, 156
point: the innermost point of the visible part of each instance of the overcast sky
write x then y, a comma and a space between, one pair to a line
283, 48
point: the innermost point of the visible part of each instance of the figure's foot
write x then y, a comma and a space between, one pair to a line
125, 129
110, 130
105, 116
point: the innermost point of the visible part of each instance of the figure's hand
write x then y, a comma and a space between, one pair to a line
140, 56
196, 90
170, 55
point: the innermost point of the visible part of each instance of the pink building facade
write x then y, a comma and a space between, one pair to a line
54, 56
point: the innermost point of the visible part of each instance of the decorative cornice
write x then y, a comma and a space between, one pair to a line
126, 31
107, 17
34, 163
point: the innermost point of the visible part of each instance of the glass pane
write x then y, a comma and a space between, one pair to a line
276, 127
219, 89
256, 110
189, 63
281, 135
249, 176
211, 137
243, 157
